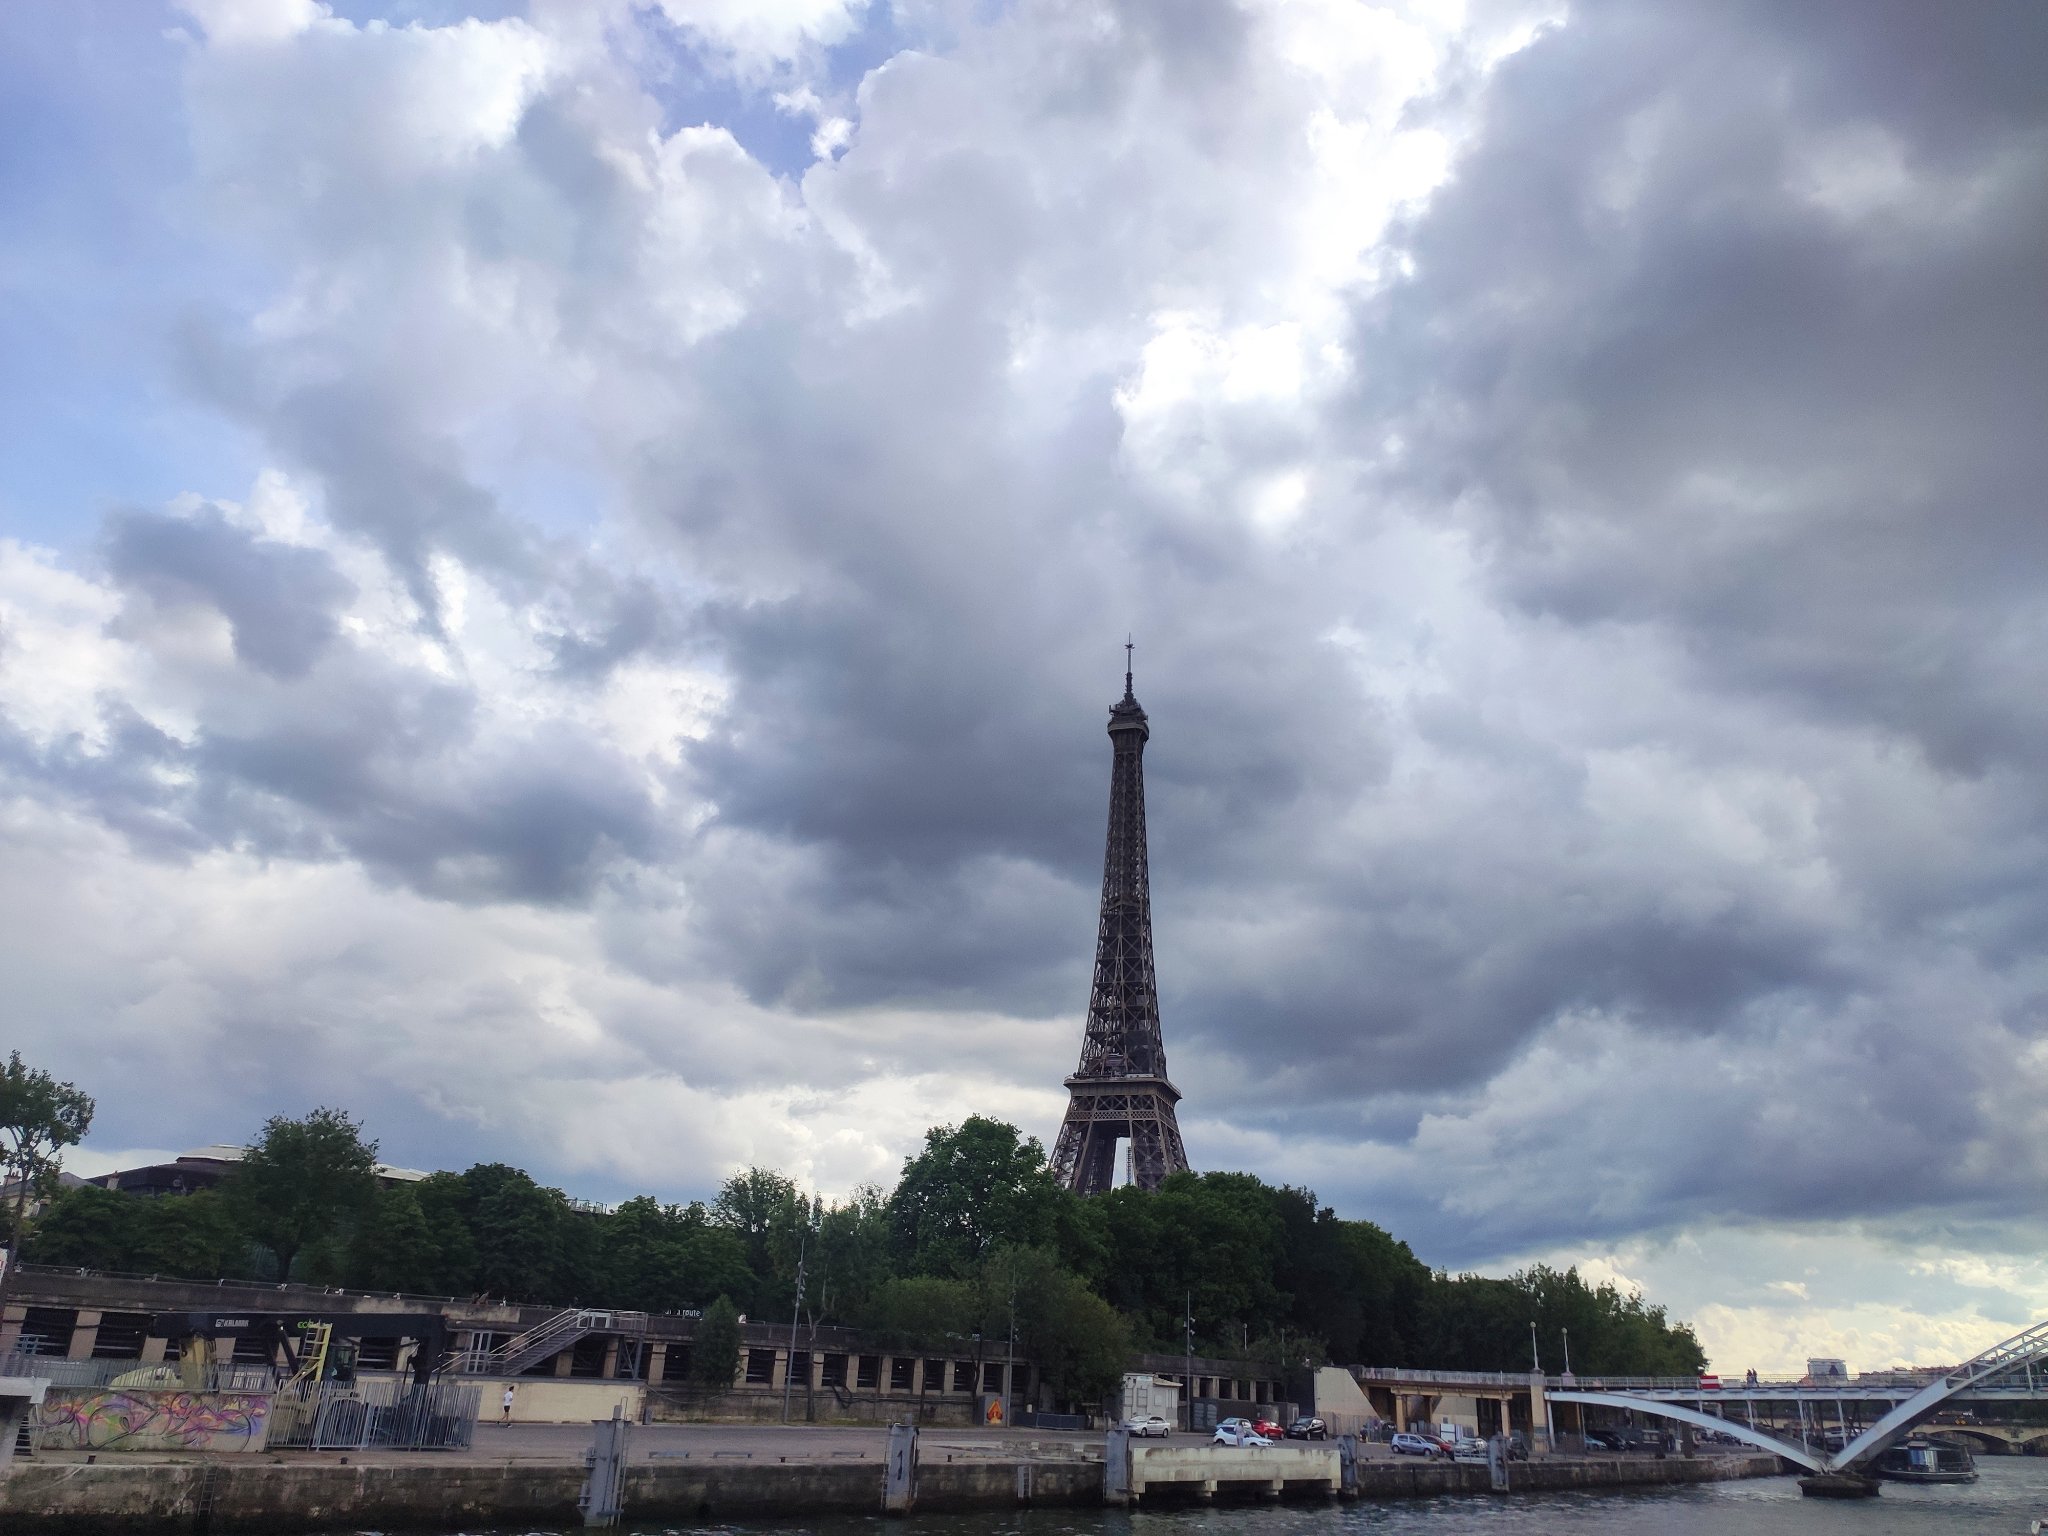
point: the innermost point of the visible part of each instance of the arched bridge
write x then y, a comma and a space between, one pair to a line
2014, 1371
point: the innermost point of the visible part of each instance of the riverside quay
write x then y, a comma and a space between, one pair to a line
569, 1365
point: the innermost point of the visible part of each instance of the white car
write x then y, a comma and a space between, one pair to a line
1237, 1432
1151, 1425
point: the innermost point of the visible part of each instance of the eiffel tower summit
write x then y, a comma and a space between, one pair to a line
1120, 1091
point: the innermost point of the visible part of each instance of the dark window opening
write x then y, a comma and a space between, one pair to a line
251, 1349
963, 1375
935, 1375
868, 1375
377, 1354
760, 1367
120, 1336
800, 1367
834, 1373
902, 1375
992, 1377
677, 1366
47, 1330
586, 1355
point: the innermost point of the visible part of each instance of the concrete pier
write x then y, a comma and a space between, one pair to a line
710, 1475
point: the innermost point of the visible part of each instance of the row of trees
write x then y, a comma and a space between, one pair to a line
976, 1237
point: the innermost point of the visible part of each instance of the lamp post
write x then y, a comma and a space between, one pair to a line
795, 1312
1187, 1381
1535, 1359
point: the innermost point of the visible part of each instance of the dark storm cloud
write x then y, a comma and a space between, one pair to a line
279, 601
1733, 325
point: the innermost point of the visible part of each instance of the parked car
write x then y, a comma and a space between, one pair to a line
1469, 1450
1268, 1428
1602, 1440
1308, 1429
1237, 1432
1233, 1423
1149, 1425
1518, 1446
1405, 1444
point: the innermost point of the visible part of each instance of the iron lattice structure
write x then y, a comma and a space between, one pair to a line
1120, 1091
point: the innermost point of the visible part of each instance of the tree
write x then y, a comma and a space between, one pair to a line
715, 1347
90, 1227
394, 1248
772, 1221
39, 1118
974, 1184
304, 1180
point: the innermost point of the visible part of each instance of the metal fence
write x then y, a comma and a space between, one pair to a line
61, 1372
395, 1414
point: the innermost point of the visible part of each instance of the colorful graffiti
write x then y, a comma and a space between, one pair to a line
142, 1419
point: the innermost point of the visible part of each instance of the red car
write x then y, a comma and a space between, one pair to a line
1267, 1428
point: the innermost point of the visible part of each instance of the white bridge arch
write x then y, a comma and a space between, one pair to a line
2022, 1353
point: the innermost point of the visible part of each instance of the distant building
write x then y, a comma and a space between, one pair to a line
1826, 1368
203, 1168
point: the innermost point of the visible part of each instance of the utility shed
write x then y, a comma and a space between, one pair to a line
1145, 1394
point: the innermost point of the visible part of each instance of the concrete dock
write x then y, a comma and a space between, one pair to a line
530, 1476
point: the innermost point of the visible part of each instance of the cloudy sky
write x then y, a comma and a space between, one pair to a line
562, 566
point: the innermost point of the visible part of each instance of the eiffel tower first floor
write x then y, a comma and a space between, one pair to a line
1105, 1110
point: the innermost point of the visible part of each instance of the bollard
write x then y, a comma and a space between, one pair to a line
899, 1470
1347, 1465
1116, 1467
604, 1484
1497, 1462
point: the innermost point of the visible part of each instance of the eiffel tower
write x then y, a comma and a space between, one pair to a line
1120, 1091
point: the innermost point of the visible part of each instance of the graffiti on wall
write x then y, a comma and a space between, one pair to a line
142, 1419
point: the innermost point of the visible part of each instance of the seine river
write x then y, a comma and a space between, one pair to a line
2012, 1491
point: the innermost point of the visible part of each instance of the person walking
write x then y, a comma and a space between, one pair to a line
505, 1406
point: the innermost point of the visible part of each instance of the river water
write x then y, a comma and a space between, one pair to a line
2011, 1492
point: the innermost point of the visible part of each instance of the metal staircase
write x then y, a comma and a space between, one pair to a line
549, 1338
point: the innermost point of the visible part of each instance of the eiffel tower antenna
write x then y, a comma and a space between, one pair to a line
1120, 1091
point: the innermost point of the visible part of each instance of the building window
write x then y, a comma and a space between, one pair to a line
992, 1377
902, 1375
934, 1375
377, 1354
47, 1330
868, 1375
120, 1335
800, 1367
760, 1367
963, 1375
1023, 1379
834, 1372
675, 1365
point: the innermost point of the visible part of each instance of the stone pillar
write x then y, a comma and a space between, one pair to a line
564, 1361
10, 1324
610, 1368
84, 1334
1542, 1438
657, 1364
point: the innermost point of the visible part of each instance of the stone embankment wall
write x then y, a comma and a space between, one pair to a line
241, 1496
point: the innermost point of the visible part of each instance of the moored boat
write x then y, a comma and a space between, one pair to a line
1926, 1461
